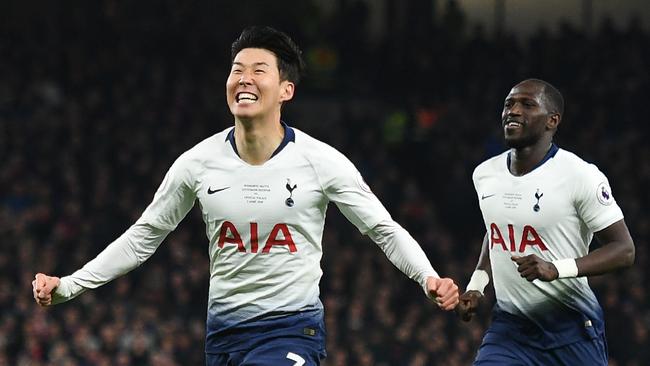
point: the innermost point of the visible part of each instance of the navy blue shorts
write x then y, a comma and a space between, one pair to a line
276, 352
292, 340
503, 350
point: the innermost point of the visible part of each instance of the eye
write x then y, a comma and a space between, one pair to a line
507, 104
236, 71
260, 71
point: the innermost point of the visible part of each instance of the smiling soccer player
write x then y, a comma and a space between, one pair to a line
542, 205
263, 188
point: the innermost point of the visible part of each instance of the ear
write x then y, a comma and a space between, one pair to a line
553, 121
287, 89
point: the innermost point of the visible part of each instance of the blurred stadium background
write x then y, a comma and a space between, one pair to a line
97, 98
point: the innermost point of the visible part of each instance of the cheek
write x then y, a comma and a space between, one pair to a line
230, 84
230, 89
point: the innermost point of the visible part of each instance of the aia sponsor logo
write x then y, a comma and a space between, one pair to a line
516, 241
279, 236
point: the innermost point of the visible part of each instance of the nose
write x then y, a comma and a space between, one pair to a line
513, 110
245, 79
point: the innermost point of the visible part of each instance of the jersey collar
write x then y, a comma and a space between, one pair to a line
551, 153
289, 136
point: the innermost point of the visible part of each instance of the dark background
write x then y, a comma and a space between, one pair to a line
98, 98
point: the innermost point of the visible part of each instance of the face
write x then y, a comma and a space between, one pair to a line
525, 117
254, 89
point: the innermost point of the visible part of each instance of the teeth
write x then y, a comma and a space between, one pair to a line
246, 97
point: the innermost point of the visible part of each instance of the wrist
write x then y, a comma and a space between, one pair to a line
566, 268
425, 282
478, 281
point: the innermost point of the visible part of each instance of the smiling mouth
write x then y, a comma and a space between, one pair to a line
512, 124
245, 98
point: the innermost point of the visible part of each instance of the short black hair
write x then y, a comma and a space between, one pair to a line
289, 56
551, 94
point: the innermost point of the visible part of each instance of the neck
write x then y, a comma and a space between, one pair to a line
524, 160
257, 140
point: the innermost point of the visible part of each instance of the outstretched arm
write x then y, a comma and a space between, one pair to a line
407, 255
343, 184
127, 252
616, 252
173, 200
469, 301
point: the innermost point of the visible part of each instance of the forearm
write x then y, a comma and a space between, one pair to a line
608, 258
481, 276
484, 258
617, 252
124, 254
403, 251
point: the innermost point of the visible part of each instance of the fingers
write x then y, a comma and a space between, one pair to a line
447, 294
466, 309
467, 314
529, 274
528, 266
432, 286
42, 287
515, 258
468, 305
521, 260
34, 290
527, 271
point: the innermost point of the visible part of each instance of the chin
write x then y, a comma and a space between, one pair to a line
514, 144
520, 143
242, 115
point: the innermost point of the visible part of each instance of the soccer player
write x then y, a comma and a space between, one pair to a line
263, 188
542, 205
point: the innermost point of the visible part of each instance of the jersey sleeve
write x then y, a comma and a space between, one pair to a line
403, 251
594, 201
174, 198
124, 254
344, 185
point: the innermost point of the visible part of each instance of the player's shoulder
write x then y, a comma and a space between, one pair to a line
491, 165
572, 164
314, 149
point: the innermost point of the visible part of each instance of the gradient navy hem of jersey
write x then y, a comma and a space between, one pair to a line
551, 153
559, 327
289, 136
250, 334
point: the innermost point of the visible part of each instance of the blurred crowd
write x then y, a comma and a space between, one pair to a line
98, 98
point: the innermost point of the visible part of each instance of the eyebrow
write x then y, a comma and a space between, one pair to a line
254, 64
521, 98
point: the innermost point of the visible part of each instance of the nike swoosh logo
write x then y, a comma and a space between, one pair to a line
488, 196
210, 191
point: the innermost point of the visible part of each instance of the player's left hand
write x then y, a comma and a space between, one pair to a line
443, 291
532, 267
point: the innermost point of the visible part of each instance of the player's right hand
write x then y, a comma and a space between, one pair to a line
443, 291
467, 305
43, 286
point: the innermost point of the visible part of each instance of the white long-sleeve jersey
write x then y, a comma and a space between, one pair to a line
264, 226
553, 212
